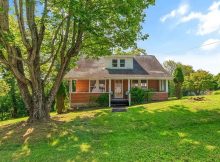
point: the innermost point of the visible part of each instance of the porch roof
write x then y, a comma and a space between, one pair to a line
143, 67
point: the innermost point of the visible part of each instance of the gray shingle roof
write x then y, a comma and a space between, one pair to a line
143, 67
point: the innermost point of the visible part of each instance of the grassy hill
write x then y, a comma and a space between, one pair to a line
177, 130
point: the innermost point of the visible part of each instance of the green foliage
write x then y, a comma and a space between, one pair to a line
11, 104
60, 98
171, 65
216, 93
4, 88
178, 79
103, 100
177, 130
133, 51
139, 96
199, 82
62, 90
217, 80
178, 76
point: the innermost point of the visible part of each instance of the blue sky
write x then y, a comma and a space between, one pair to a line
187, 31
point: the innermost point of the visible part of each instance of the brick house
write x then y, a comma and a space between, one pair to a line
115, 75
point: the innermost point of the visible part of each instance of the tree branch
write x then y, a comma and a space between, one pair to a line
52, 64
42, 21
20, 19
66, 36
30, 14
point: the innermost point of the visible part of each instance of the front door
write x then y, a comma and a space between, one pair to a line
118, 89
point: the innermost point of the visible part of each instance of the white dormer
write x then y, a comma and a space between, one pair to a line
119, 62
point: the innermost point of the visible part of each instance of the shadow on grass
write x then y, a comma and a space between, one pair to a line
175, 133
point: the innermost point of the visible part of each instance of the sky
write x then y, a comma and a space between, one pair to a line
187, 31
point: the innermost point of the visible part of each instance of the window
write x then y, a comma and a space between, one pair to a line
73, 86
134, 83
97, 85
92, 85
163, 85
122, 63
114, 63
101, 85
144, 84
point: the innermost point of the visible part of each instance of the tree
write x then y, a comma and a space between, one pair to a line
199, 82
60, 98
178, 81
48, 35
4, 87
133, 51
217, 79
171, 65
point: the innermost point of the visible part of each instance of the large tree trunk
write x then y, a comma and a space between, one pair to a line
27, 69
60, 104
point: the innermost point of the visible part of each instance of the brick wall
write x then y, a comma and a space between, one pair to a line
153, 84
159, 96
84, 98
82, 86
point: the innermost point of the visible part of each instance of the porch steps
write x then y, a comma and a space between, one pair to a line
119, 103
119, 109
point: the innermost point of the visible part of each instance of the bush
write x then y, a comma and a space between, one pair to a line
103, 100
148, 95
216, 93
139, 96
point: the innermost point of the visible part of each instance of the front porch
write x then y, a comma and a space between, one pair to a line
83, 91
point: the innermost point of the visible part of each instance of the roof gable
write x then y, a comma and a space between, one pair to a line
143, 67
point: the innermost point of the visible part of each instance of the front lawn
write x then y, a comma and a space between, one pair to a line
177, 130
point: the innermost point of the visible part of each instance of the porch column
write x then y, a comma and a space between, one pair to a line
70, 86
129, 95
159, 85
109, 89
167, 88
70, 91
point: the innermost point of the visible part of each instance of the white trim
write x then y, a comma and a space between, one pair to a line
109, 90
129, 95
89, 85
70, 86
167, 86
160, 85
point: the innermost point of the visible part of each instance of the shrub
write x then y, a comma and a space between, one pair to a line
103, 100
216, 93
148, 95
139, 96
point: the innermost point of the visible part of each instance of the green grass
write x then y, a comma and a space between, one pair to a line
177, 130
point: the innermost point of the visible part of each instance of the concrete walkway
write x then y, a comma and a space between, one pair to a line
119, 109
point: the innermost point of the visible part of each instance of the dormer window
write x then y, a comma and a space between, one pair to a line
114, 63
122, 63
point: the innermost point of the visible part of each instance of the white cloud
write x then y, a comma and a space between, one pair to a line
208, 22
210, 44
180, 11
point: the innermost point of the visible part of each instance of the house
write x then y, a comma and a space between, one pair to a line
115, 75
